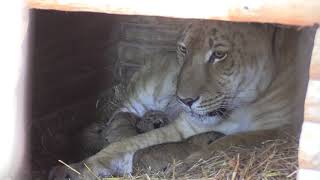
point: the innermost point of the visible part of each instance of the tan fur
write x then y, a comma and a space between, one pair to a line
251, 90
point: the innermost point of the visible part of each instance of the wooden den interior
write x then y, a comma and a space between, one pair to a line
79, 63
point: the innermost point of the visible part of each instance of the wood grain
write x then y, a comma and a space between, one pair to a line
309, 148
294, 12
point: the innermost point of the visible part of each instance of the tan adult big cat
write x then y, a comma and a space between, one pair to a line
234, 78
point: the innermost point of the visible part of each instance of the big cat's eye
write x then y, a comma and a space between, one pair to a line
217, 56
181, 52
182, 49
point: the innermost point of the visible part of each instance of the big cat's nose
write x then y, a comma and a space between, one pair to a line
188, 101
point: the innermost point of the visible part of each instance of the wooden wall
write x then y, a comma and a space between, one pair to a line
296, 12
309, 148
66, 50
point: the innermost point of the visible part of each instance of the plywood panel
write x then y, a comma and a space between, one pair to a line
296, 12
309, 148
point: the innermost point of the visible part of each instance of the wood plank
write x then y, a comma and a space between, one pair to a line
294, 12
308, 174
315, 71
309, 148
13, 104
312, 103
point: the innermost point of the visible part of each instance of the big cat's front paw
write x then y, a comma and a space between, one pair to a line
63, 173
94, 168
80, 172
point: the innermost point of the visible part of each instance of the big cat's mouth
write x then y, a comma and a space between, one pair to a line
218, 112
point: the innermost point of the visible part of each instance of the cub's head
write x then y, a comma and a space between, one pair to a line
224, 65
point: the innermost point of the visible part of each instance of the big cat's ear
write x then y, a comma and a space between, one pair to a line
183, 30
181, 48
